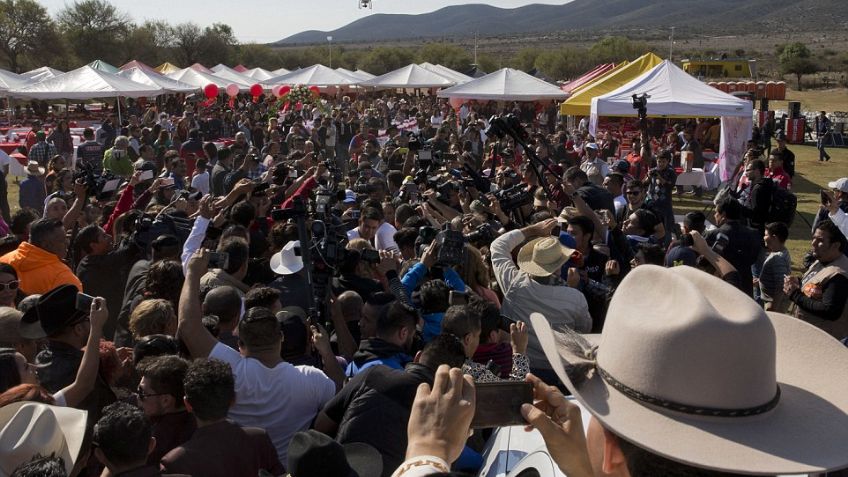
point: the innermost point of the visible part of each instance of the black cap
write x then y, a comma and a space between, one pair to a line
780, 135
57, 309
314, 454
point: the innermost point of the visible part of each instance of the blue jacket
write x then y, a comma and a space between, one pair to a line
432, 326
415, 275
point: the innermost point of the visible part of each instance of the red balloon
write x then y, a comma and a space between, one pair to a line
314, 90
210, 90
284, 90
256, 90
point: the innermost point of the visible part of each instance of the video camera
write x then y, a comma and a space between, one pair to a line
513, 198
640, 104
95, 181
451, 245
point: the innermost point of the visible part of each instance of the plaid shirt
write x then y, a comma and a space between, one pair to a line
257, 172
42, 152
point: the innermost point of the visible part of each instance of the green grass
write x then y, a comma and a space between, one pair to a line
810, 177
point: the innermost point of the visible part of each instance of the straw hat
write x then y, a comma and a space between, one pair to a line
29, 428
286, 261
691, 369
567, 214
543, 256
34, 169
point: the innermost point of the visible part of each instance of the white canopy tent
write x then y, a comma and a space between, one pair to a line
235, 77
315, 75
446, 72
198, 79
86, 83
9, 80
674, 93
152, 78
280, 72
364, 74
505, 84
411, 76
259, 74
354, 74
41, 74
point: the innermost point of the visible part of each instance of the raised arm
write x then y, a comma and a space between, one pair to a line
191, 330
87, 373
73, 213
124, 203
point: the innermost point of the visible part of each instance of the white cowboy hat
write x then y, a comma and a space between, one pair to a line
30, 428
34, 169
691, 369
543, 256
286, 261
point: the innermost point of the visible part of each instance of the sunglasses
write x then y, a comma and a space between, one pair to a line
142, 396
13, 285
634, 192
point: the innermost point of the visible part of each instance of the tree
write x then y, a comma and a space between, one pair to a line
613, 49
563, 63
25, 28
795, 59
525, 59
383, 59
255, 55
445, 54
489, 63
188, 42
151, 42
95, 29
217, 45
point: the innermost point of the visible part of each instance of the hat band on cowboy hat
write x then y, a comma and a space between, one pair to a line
690, 369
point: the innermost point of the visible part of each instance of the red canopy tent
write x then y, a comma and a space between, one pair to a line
587, 77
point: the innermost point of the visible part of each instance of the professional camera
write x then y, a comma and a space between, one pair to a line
500, 126
415, 142
483, 235
95, 181
451, 248
513, 198
640, 104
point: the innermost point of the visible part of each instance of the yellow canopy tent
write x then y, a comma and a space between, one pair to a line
580, 103
167, 68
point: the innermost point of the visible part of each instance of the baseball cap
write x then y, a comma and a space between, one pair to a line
350, 197
840, 184
592, 145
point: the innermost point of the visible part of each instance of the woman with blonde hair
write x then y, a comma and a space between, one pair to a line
476, 276
153, 317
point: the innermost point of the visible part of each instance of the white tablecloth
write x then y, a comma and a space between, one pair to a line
695, 178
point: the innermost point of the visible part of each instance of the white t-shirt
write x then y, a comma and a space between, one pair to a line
283, 400
384, 240
201, 182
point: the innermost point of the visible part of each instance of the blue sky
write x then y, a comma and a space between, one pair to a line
271, 20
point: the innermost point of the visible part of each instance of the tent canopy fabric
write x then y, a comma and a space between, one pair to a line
198, 79
154, 79
280, 72
364, 74
411, 76
86, 83
315, 75
447, 72
9, 80
137, 64
167, 68
259, 74
240, 68
587, 77
234, 76
41, 74
672, 93
103, 66
201, 68
506, 84
581, 101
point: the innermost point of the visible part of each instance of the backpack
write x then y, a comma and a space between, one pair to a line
783, 206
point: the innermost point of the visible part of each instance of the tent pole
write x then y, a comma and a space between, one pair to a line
118, 106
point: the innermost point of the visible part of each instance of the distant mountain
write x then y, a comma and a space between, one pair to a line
701, 15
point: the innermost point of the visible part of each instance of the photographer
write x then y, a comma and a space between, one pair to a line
373, 228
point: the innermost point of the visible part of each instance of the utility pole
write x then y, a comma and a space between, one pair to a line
671, 46
475, 48
330, 46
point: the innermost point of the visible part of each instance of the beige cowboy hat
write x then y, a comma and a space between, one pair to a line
543, 256
567, 214
691, 369
34, 169
30, 428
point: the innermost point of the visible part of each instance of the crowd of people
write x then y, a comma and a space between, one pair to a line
316, 291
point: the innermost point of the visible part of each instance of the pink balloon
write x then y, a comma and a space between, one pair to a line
232, 90
276, 91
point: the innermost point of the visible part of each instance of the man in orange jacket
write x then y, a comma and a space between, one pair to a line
39, 261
